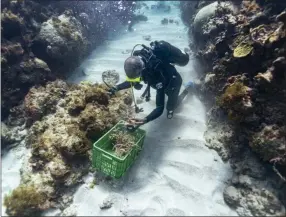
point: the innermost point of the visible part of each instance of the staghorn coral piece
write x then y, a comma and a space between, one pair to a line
25, 200
122, 142
270, 143
242, 50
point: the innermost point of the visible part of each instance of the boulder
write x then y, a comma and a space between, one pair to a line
60, 38
206, 13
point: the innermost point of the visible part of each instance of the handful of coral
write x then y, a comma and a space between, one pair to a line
133, 123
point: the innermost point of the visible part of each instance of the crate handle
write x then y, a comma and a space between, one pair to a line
106, 156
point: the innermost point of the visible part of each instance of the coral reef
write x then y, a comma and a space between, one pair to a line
43, 41
65, 120
242, 46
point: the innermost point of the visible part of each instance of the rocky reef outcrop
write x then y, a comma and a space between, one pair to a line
241, 45
64, 120
42, 41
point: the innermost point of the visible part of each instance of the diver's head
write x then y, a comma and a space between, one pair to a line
133, 67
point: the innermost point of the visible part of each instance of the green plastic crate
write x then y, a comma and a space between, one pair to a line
107, 162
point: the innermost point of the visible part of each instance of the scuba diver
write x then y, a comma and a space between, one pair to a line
154, 66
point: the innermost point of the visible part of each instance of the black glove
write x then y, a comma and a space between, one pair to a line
112, 91
138, 86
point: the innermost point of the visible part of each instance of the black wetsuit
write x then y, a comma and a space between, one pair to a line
164, 78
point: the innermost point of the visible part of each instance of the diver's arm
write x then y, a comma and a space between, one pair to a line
160, 102
127, 84
123, 85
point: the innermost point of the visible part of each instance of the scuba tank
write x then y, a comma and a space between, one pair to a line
169, 53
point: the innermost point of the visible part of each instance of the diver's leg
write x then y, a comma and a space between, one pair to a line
173, 94
189, 86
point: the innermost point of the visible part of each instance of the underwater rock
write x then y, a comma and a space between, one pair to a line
75, 102
217, 25
12, 52
282, 18
58, 168
207, 12
11, 135
106, 204
60, 38
164, 21
252, 201
12, 24
231, 196
7, 136
70, 211
147, 37
270, 144
258, 19
34, 71
42, 100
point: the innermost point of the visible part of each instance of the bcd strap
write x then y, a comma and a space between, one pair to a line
146, 93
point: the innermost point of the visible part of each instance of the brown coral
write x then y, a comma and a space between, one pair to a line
236, 99
25, 200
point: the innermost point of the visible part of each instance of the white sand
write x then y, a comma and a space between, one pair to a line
175, 174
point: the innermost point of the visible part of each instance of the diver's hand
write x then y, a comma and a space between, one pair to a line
137, 121
112, 91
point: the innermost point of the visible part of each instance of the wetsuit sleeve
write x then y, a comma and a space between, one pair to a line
126, 84
160, 102
123, 85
